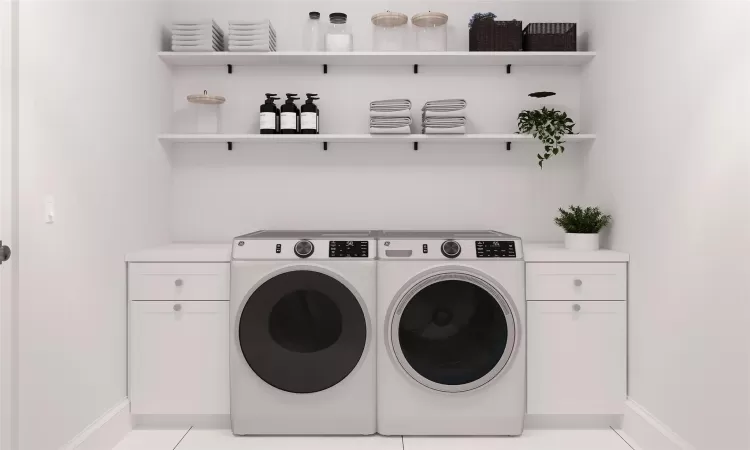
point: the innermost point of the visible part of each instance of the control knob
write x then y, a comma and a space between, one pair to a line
303, 248
450, 249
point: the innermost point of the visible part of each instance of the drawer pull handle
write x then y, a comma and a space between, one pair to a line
576, 307
177, 307
577, 282
178, 282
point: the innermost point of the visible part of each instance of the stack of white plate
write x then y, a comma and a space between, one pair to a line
197, 36
251, 36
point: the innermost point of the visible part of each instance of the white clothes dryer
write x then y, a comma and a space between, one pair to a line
302, 314
451, 349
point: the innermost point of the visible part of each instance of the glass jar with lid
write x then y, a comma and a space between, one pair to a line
338, 37
432, 31
389, 32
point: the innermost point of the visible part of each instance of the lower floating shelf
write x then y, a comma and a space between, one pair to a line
359, 138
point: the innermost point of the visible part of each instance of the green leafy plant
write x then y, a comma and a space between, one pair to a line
579, 220
481, 16
549, 126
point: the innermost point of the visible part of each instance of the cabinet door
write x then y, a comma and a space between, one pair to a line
576, 357
179, 357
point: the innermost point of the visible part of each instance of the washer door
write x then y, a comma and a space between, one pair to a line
453, 332
302, 331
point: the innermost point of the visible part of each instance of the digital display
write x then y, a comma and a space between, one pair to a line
348, 249
496, 249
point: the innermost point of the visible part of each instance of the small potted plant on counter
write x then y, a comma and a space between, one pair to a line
547, 125
582, 226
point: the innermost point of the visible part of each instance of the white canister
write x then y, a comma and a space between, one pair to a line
207, 112
432, 31
389, 32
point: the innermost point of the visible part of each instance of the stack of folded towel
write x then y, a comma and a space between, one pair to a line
444, 117
197, 36
390, 116
252, 36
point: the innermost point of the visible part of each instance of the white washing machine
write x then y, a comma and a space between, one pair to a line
302, 315
451, 349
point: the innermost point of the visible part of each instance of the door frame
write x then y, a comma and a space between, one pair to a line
9, 304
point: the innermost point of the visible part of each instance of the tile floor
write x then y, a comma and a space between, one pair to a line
224, 440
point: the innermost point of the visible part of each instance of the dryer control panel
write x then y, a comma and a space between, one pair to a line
496, 249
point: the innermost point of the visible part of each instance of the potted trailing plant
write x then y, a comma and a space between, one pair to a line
582, 226
548, 125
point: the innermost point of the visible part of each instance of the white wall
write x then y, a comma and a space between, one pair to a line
669, 104
219, 194
92, 98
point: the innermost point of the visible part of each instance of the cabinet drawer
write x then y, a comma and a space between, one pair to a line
178, 281
576, 357
576, 281
179, 357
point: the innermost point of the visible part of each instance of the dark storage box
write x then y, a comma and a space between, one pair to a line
549, 37
508, 36
482, 36
489, 35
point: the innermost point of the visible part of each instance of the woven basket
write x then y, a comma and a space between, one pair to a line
482, 35
508, 36
549, 37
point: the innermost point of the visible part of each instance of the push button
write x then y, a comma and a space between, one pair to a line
424, 248
278, 248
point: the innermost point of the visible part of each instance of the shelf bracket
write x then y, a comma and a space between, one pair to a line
229, 146
416, 146
325, 68
229, 68
507, 68
507, 146
416, 68
325, 146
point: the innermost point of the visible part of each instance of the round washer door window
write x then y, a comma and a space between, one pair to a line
302, 331
453, 332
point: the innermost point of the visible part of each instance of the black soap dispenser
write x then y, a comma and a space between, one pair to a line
310, 117
290, 115
269, 115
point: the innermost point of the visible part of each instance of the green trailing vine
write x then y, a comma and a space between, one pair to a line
579, 220
549, 126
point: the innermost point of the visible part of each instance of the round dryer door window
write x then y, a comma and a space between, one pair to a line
453, 332
302, 331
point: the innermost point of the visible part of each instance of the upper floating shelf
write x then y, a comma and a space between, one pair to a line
458, 59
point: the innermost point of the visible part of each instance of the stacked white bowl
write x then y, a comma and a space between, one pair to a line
251, 36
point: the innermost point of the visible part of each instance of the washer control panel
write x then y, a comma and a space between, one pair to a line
496, 249
348, 249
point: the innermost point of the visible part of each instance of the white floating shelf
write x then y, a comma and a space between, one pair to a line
359, 138
377, 58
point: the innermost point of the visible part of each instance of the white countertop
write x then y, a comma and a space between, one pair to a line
556, 252
187, 252
200, 252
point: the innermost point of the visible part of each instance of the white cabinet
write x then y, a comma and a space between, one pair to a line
179, 357
576, 357
178, 281
576, 281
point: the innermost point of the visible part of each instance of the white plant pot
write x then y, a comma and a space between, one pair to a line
582, 241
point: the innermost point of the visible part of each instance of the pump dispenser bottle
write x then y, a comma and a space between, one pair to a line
269, 115
310, 116
290, 115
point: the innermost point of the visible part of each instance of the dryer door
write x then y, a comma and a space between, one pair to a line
453, 331
302, 331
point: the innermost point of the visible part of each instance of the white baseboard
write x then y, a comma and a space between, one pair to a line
649, 433
105, 432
